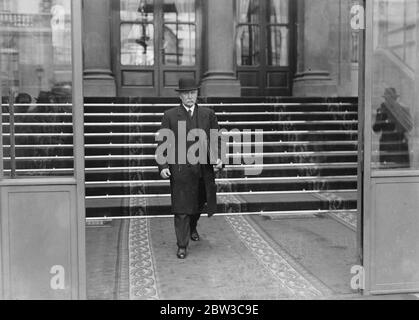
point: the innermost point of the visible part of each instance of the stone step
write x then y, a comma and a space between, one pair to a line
247, 183
227, 202
151, 172
309, 153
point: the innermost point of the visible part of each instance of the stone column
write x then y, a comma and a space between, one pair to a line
313, 74
98, 78
219, 78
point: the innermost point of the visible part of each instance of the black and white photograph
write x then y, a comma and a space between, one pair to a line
220, 152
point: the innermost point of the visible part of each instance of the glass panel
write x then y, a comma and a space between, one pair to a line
247, 11
247, 42
278, 46
179, 37
179, 11
36, 86
179, 44
395, 139
279, 10
137, 44
137, 10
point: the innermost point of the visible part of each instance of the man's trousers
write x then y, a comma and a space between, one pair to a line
184, 225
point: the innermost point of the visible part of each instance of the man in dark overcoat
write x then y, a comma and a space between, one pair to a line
192, 183
394, 127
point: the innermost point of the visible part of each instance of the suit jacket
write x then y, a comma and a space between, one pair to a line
188, 196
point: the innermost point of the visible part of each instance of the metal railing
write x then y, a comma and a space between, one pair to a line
32, 141
12, 141
12, 135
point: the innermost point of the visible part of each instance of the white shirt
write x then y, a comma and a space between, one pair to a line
191, 108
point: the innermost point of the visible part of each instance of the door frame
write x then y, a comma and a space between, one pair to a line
159, 72
262, 70
361, 145
118, 69
78, 140
372, 180
77, 220
166, 89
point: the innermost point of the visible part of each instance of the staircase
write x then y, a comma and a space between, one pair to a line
309, 157
309, 154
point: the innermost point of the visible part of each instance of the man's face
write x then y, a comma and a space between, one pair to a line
189, 98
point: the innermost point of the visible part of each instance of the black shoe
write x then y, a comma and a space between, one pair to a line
181, 253
195, 236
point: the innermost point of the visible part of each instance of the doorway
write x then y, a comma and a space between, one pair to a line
156, 42
42, 209
391, 171
265, 49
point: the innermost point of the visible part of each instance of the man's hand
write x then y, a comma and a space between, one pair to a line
218, 166
165, 173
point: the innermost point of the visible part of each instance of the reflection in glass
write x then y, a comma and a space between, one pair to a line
137, 10
394, 123
279, 11
179, 36
395, 139
248, 51
137, 44
278, 46
179, 11
35, 47
179, 44
398, 29
36, 86
137, 37
247, 11
43, 139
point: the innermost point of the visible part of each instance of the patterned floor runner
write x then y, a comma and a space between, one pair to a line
142, 277
232, 261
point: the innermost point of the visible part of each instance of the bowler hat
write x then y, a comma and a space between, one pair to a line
391, 93
187, 84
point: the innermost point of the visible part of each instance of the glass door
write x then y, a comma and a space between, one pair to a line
137, 63
179, 43
157, 42
36, 88
42, 209
265, 46
391, 179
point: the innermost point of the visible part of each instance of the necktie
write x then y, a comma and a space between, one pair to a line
190, 113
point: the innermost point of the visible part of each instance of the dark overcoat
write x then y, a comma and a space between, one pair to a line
394, 145
192, 185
